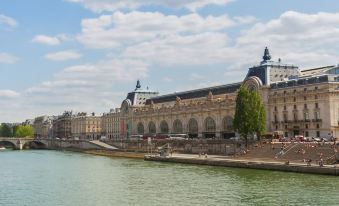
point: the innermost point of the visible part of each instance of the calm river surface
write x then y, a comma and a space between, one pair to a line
36, 177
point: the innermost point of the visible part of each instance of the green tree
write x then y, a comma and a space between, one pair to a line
24, 131
258, 114
15, 128
250, 117
5, 130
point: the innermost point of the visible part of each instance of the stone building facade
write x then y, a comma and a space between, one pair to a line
85, 126
111, 124
43, 126
62, 126
297, 103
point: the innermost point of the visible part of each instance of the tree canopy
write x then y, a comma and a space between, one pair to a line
250, 117
5, 130
24, 131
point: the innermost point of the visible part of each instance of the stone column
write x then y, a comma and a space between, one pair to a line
19, 145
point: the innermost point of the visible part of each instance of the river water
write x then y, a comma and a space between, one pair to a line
38, 177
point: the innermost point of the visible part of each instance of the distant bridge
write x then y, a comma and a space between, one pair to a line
21, 143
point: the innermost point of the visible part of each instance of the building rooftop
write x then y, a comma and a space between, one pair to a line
197, 93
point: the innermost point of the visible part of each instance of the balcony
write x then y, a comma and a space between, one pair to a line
317, 120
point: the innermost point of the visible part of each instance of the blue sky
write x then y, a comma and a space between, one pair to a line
85, 55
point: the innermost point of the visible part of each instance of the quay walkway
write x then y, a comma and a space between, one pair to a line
228, 161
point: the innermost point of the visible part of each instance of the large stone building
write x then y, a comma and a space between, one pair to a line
135, 99
111, 124
43, 126
85, 126
297, 103
62, 126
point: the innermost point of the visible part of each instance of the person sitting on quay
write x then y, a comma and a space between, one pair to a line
309, 162
321, 162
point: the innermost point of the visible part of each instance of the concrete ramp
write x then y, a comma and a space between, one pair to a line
103, 145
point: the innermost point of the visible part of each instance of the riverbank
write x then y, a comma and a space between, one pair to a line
246, 163
109, 153
218, 160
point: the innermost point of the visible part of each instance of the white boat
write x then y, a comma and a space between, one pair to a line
2, 148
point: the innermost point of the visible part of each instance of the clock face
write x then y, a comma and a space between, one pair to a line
251, 87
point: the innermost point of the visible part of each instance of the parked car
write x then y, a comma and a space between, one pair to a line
308, 139
317, 139
235, 138
300, 138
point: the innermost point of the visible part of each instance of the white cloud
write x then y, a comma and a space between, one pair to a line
305, 39
114, 5
119, 29
7, 58
47, 40
8, 94
8, 21
86, 87
63, 55
196, 49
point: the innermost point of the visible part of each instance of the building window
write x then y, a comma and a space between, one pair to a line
316, 97
318, 133
275, 118
316, 105
305, 89
294, 91
315, 88
306, 126
306, 117
305, 106
318, 126
316, 115
276, 127
275, 108
285, 117
305, 98
286, 126
284, 99
210, 125
294, 99
294, 106
285, 107
295, 116
306, 134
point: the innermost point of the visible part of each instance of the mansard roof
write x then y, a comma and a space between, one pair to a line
197, 93
316, 71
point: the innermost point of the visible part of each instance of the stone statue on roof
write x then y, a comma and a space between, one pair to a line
267, 55
138, 86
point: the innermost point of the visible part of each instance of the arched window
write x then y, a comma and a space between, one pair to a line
228, 123
163, 127
151, 128
177, 126
209, 125
140, 128
192, 126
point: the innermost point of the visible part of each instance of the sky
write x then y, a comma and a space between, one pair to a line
86, 55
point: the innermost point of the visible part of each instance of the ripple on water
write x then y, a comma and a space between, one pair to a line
65, 178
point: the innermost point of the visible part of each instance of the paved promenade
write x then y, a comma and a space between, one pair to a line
228, 161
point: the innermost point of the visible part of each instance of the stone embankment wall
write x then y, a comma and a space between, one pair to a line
71, 144
249, 164
220, 147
